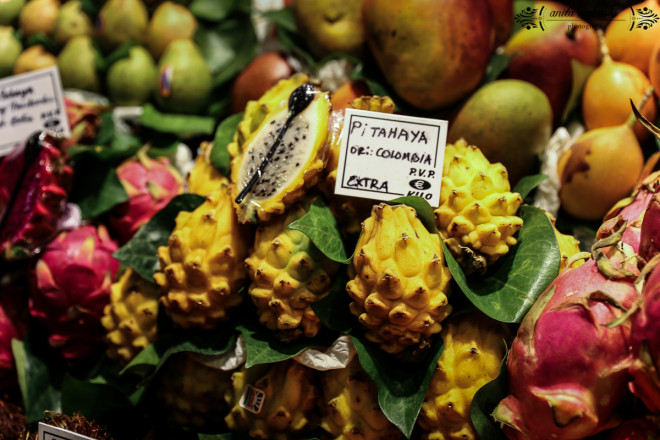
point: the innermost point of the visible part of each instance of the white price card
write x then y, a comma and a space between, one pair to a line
31, 102
47, 432
384, 156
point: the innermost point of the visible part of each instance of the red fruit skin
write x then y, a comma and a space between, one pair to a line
635, 429
543, 57
650, 229
567, 372
13, 323
71, 286
40, 200
646, 344
84, 121
150, 184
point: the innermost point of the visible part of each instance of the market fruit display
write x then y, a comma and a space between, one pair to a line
180, 266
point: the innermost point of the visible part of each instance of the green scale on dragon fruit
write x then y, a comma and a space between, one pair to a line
70, 286
35, 182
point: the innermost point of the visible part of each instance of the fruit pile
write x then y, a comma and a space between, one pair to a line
235, 296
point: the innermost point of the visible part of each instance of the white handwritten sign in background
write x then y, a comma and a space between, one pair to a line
385, 156
28, 103
47, 432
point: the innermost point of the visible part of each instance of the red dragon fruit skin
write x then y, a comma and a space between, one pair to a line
35, 181
567, 371
150, 184
13, 323
70, 288
641, 428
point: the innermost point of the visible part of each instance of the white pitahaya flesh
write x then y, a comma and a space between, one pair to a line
70, 288
567, 370
150, 184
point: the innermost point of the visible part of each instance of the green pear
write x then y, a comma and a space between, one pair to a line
132, 80
71, 21
170, 21
10, 48
120, 21
34, 58
38, 16
509, 120
184, 79
9, 10
77, 64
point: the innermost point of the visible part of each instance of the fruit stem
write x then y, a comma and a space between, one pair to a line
630, 122
604, 50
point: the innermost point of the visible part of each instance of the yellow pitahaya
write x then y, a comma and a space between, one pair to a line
71, 287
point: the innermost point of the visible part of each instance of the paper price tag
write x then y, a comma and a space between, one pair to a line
252, 399
28, 103
47, 432
385, 156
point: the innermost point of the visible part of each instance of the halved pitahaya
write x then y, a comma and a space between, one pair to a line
71, 287
567, 371
150, 184
35, 181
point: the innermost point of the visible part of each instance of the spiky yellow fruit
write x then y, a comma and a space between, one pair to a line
276, 405
130, 317
204, 178
351, 406
203, 267
192, 394
476, 216
296, 163
349, 211
288, 275
400, 283
474, 348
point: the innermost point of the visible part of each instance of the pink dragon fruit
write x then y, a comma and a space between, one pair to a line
70, 288
567, 370
13, 320
150, 184
640, 428
35, 181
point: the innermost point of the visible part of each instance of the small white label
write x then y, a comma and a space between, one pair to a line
47, 432
385, 156
28, 103
252, 399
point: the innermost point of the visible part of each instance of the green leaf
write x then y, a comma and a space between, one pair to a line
527, 184
580, 74
401, 385
106, 130
97, 401
212, 10
332, 310
228, 47
96, 187
497, 64
320, 226
40, 370
180, 125
122, 51
484, 402
262, 347
288, 36
224, 135
282, 18
424, 210
515, 281
141, 253
43, 39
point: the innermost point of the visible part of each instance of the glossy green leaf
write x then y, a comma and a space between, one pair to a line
212, 10
262, 347
484, 402
320, 226
122, 51
528, 183
515, 281
332, 310
106, 131
100, 402
287, 33
224, 135
227, 46
282, 18
40, 370
401, 385
424, 210
497, 64
141, 252
177, 124
96, 187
